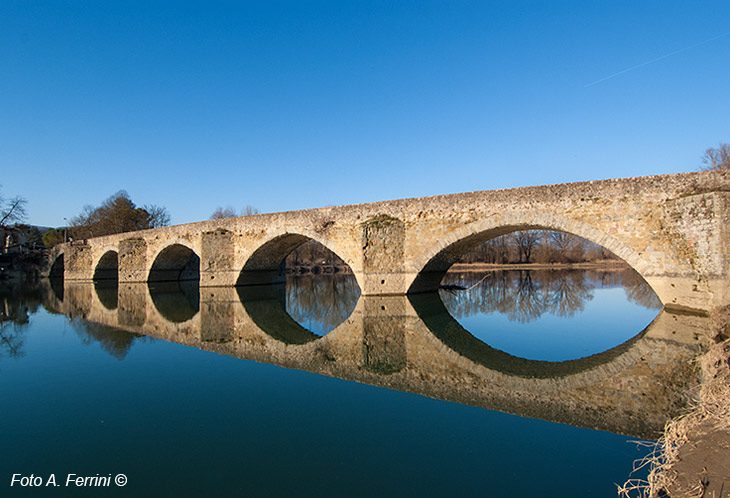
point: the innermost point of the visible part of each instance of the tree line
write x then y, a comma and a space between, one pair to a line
526, 246
537, 246
230, 212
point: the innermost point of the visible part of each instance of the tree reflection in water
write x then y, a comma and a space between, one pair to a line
636, 288
567, 294
113, 341
526, 295
639, 292
551, 315
12, 337
320, 303
17, 304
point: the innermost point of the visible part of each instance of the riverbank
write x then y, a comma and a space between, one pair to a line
692, 458
606, 265
609, 264
28, 266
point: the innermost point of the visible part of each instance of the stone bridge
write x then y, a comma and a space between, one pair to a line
412, 344
672, 229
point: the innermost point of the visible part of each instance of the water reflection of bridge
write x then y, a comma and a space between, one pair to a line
412, 344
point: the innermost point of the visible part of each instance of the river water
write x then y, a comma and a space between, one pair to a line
505, 383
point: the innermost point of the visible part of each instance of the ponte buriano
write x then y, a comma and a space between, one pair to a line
672, 229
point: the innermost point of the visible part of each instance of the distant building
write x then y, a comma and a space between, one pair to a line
13, 240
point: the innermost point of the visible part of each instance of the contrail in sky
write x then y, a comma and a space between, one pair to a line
657, 59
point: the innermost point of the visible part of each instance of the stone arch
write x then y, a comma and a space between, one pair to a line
175, 262
265, 264
107, 268
430, 266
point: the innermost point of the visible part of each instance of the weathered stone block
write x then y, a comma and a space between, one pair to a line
133, 260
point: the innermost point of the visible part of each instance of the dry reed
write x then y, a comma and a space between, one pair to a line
712, 409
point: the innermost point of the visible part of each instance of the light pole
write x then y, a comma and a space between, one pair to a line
65, 230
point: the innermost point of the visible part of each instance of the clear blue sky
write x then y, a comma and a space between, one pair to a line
297, 104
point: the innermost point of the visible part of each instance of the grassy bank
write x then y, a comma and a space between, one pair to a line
692, 458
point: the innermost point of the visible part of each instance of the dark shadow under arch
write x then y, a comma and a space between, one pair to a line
175, 263
107, 291
108, 267
177, 302
435, 316
266, 307
266, 264
57, 268
56, 275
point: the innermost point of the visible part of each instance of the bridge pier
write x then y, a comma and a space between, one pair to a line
383, 253
77, 262
384, 326
217, 265
133, 260
687, 293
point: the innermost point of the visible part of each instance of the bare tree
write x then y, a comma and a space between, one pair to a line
223, 212
526, 242
248, 210
566, 246
229, 212
716, 159
12, 210
158, 215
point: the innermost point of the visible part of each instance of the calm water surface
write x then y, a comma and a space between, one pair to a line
313, 390
552, 315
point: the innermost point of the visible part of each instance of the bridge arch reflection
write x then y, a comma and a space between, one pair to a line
393, 342
177, 302
107, 291
456, 338
265, 305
